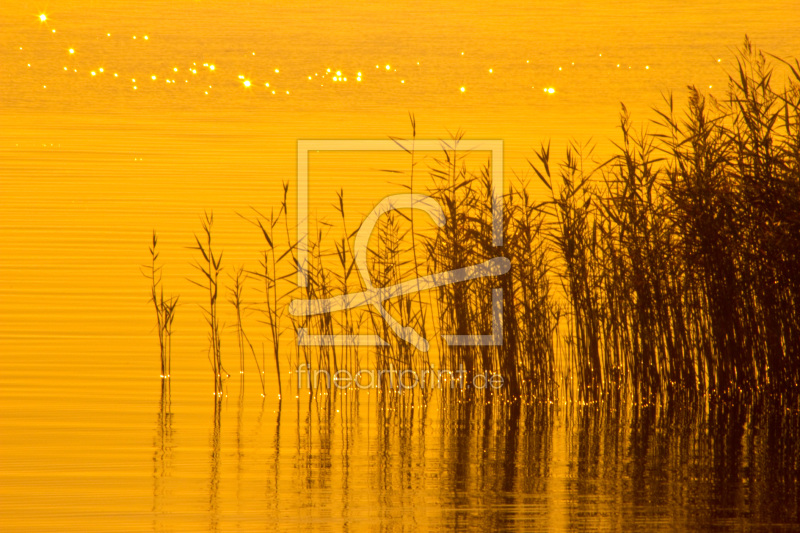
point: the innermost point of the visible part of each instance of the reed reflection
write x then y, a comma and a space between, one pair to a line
490, 463
215, 465
162, 454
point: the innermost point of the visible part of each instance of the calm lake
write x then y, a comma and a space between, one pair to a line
118, 118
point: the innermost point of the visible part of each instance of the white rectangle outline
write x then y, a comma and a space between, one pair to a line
304, 146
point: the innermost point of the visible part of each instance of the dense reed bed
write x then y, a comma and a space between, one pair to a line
672, 268
679, 256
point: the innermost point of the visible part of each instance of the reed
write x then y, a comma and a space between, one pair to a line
675, 262
210, 267
164, 308
669, 269
237, 300
275, 267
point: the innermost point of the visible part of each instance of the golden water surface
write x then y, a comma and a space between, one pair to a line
120, 117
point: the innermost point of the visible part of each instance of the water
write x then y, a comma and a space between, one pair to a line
89, 166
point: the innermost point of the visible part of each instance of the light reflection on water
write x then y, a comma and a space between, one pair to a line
391, 461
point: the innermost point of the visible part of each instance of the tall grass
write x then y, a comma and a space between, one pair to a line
164, 308
210, 268
274, 270
237, 300
680, 263
669, 269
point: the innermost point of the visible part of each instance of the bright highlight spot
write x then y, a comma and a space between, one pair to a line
71, 50
43, 17
463, 89
247, 83
388, 67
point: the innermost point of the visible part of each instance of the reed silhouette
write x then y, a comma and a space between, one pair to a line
669, 269
273, 273
164, 307
210, 268
680, 261
237, 300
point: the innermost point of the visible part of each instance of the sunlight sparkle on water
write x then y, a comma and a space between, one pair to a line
43, 17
